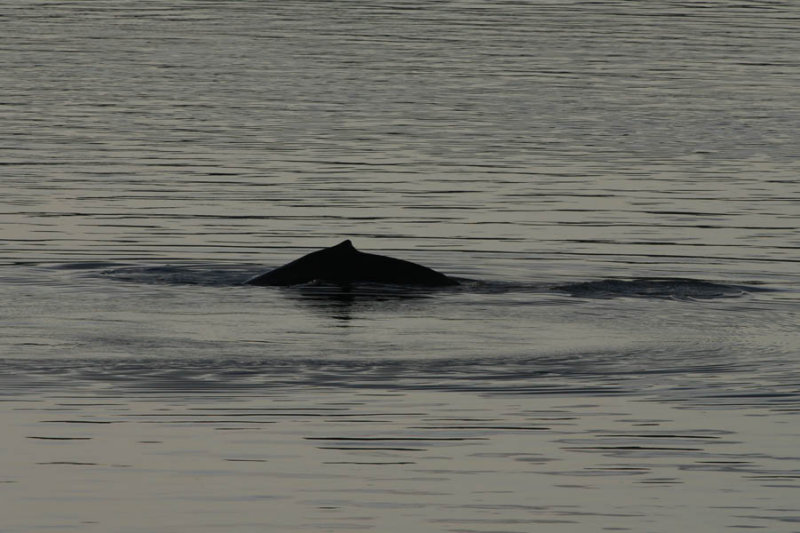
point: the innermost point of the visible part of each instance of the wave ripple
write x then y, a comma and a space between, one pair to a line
671, 288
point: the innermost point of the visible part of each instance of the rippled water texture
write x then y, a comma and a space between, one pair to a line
614, 183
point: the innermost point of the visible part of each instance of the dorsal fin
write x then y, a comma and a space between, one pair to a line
345, 245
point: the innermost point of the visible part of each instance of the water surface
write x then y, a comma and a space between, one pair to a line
617, 181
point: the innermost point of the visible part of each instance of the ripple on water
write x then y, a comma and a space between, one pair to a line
226, 275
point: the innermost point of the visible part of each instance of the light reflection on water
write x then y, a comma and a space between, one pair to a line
313, 458
619, 180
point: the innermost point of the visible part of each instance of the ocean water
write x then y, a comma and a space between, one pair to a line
615, 183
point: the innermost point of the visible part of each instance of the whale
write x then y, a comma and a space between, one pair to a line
342, 264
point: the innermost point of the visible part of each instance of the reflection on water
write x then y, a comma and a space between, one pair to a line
350, 460
616, 181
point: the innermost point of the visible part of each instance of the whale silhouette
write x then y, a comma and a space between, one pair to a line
343, 264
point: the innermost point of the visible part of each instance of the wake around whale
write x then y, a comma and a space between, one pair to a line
343, 264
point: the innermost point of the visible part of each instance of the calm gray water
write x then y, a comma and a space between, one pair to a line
618, 181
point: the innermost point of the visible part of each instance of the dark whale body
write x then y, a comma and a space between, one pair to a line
343, 264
